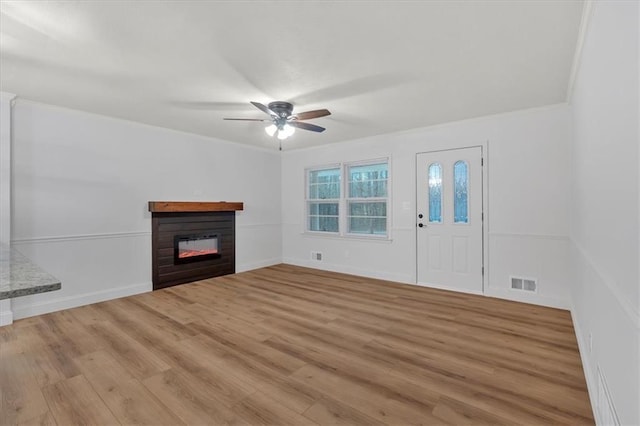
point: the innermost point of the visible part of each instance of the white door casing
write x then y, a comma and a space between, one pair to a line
450, 243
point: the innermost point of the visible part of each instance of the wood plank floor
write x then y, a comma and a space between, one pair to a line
288, 345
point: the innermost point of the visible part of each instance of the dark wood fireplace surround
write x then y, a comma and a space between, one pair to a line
171, 220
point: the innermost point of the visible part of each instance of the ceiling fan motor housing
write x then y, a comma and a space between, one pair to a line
283, 109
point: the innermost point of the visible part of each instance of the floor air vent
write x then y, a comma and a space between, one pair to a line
524, 284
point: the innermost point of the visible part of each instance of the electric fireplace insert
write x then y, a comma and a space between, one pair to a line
192, 240
194, 248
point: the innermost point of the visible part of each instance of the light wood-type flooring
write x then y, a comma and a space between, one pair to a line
293, 346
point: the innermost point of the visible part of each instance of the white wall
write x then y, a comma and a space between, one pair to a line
81, 183
5, 166
528, 187
6, 315
605, 217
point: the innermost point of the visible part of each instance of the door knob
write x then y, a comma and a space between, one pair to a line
420, 225
420, 216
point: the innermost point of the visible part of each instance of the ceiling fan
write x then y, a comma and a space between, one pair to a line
283, 121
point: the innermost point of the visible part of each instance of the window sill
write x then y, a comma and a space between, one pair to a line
349, 237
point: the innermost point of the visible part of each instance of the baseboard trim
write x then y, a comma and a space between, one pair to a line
534, 299
404, 279
447, 288
244, 267
6, 318
58, 304
592, 388
6, 315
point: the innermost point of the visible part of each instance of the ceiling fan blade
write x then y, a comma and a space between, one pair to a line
306, 126
246, 119
307, 115
264, 109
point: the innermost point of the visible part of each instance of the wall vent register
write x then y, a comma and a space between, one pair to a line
524, 284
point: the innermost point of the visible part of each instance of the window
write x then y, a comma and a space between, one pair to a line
461, 194
435, 193
355, 205
367, 199
323, 200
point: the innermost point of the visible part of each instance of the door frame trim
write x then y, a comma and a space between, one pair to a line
484, 145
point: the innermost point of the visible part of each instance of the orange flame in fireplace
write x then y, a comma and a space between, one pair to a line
192, 253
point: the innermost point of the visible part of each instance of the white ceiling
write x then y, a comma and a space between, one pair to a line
378, 66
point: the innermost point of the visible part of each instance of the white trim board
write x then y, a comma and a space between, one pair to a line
6, 315
629, 310
58, 304
244, 267
124, 234
324, 266
77, 237
592, 388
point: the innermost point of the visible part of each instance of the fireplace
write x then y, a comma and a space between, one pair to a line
195, 248
191, 241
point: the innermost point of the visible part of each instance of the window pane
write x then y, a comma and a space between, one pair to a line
323, 217
323, 223
368, 225
324, 191
368, 181
435, 193
368, 218
324, 176
324, 209
461, 198
324, 184
378, 208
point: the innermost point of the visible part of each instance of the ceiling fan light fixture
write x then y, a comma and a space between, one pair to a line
288, 130
282, 135
271, 130
283, 121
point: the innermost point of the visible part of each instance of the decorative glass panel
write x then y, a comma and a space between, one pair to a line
435, 193
461, 192
368, 218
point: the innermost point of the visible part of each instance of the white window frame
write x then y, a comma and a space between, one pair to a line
343, 202
309, 200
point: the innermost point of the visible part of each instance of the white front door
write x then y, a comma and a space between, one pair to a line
449, 218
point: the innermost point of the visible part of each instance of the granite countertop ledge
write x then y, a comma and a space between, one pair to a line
21, 277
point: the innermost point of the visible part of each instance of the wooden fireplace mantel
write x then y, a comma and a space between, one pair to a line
194, 206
